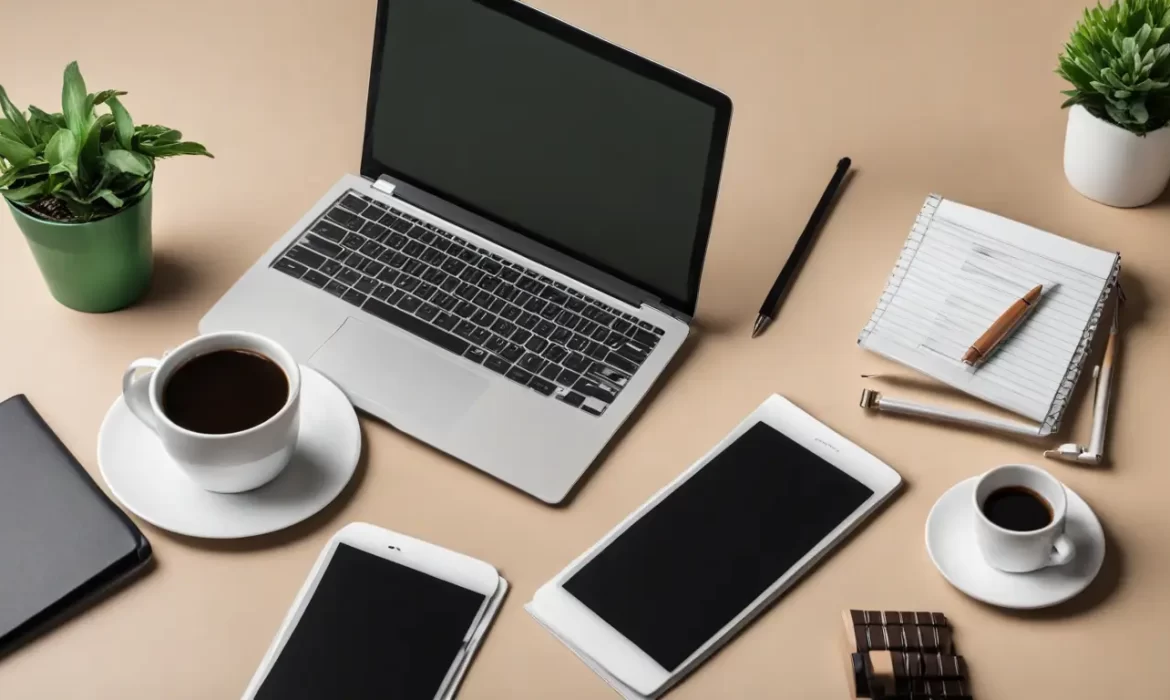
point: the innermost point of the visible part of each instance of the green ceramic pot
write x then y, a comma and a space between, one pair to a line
95, 266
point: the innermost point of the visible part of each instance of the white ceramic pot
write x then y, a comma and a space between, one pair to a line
1113, 166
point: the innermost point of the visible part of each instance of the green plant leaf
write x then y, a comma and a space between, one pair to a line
8, 130
1142, 37
128, 162
183, 148
15, 152
105, 95
1139, 112
112, 199
123, 123
1070, 102
75, 102
29, 193
1118, 116
16, 117
55, 118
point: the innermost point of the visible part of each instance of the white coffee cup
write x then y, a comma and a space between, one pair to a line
231, 462
1022, 551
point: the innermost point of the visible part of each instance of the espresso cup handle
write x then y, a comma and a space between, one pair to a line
1063, 551
136, 390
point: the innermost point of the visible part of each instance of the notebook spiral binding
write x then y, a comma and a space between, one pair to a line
918, 232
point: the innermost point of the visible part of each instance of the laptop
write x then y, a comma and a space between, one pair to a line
519, 259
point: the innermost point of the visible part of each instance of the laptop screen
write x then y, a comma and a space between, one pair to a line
550, 132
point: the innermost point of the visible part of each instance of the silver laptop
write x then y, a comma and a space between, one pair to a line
520, 258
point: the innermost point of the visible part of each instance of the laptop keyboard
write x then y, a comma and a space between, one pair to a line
471, 302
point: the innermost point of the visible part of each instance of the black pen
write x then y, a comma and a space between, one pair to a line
772, 301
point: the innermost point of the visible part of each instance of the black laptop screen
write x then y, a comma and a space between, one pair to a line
551, 132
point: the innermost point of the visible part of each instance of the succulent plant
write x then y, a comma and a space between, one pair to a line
1118, 61
76, 165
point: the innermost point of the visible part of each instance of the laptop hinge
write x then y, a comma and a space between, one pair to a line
384, 185
655, 304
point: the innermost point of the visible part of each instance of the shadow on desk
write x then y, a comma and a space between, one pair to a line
290, 534
1108, 580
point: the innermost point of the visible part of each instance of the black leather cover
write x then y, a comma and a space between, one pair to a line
61, 539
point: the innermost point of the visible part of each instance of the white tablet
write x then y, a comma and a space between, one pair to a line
381, 615
702, 557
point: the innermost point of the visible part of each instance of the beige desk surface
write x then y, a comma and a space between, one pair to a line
957, 98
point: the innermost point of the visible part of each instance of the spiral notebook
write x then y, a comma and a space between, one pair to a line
958, 271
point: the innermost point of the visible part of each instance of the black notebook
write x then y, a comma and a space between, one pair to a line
61, 538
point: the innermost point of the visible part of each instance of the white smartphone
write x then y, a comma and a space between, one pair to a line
381, 615
706, 554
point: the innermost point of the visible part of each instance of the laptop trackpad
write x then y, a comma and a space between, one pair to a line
418, 387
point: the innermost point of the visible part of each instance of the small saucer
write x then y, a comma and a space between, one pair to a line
146, 480
950, 541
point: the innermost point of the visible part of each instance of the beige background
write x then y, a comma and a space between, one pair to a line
953, 97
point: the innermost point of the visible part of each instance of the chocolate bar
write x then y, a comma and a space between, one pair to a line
878, 673
930, 690
897, 631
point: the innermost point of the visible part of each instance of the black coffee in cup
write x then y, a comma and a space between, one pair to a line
1017, 508
225, 391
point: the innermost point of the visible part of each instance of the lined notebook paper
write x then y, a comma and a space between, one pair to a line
959, 270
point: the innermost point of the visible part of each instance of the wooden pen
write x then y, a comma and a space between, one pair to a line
1003, 326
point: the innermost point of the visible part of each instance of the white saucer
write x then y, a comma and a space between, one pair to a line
950, 540
148, 483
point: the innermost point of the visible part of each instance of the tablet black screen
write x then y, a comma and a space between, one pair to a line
373, 629
691, 564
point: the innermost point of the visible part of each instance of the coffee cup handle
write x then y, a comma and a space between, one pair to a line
1063, 551
136, 390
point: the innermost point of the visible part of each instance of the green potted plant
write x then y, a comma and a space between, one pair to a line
1117, 146
78, 184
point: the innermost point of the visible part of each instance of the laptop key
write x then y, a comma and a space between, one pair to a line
425, 291
555, 353
550, 311
633, 351
597, 351
575, 304
434, 275
600, 334
427, 312
645, 338
429, 255
496, 364
476, 355
416, 326
353, 203
577, 362
449, 284
399, 225
496, 344
568, 377
388, 276
544, 329
354, 297
503, 326
483, 299
465, 309
551, 371
372, 249
409, 303
353, 241
373, 267
511, 313
396, 241
383, 291
444, 301
586, 327
414, 249
373, 231
466, 291
347, 219
464, 329
518, 375
471, 274
513, 352
327, 230
554, 295
366, 285
568, 319
336, 288
560, 335
414, 267
315, 278
578, 342
407, 283
490, 266
322, 246
528, 321
330, 267
529, 284
621, 325
536, 343
588, 387
479, 336
621, 362
510, 274
532, 362
490, 284
544, 387
305, 256
290, 267
497, 305
572, 398
603, 372
446, 321
521, 336
349, 276
483, 318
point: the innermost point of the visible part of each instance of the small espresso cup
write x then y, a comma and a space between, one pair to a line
1020, 551
229, 462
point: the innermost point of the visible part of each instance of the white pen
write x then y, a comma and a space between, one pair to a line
1103, 373
874, 401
